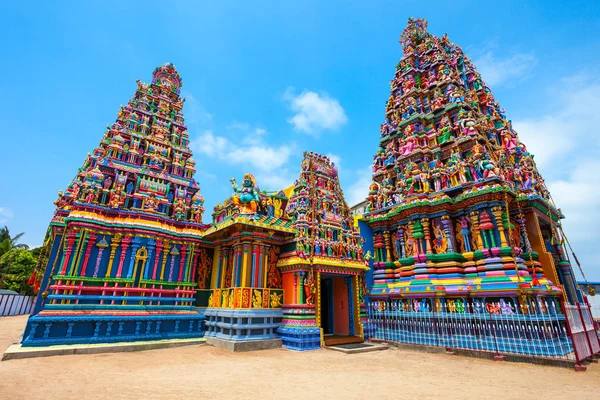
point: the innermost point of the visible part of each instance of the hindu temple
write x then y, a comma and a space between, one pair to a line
459, 224
458, 217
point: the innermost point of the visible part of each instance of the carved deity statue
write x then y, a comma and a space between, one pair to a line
246, 197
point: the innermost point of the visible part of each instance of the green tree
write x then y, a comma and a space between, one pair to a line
16, 266
7, 242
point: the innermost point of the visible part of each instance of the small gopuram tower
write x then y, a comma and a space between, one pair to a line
459, 217
243, 296
124, 245
323, 268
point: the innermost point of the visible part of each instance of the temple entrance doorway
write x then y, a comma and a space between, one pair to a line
337, 310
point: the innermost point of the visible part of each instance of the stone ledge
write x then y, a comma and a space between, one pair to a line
16, 351
369, 348
250, 345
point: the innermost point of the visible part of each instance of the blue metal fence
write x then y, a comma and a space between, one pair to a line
538, 331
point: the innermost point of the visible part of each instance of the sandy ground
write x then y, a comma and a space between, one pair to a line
204, 372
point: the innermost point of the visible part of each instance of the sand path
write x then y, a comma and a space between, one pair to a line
204, 372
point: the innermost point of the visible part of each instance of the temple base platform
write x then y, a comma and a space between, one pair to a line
17, 351
59, 328
300, 339
242, 325
250, 345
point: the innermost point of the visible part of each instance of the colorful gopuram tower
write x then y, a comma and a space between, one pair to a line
459, 217
288, 266
323, 268
125, 244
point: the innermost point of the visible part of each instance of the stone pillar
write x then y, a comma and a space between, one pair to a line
388, 245
135, 245
295, 287
244, 266
114, 244
101, 246
124, 246
159, 247
348, 282
497, 212
301, 299
475, 227
253, 265
427, 235
402, 252
70, 241
223, 268
182, 265
266, 264
237, 254
174, 252
195, 264
150, 246
90, 241
263, 272
448, 231
217, 273
167, 248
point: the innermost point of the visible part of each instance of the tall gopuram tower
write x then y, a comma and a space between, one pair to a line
125, 244
322, 268
459, 216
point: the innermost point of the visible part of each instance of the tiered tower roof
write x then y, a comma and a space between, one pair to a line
320, 213
143, 163
444, 134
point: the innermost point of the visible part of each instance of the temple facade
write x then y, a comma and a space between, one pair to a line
124, 245
459, 220
457, 223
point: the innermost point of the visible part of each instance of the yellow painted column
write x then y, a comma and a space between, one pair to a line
427, 235
388, 246
361, 331
497, 211
224, 266
166, 252
318, 306
79, 247
114, 244
245, 254
265, 249
476, 231
215, 268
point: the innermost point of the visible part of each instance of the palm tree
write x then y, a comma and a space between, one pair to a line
7, 242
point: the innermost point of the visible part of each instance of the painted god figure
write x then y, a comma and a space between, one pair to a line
246, 197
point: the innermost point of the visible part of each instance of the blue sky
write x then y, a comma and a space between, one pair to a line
266, 80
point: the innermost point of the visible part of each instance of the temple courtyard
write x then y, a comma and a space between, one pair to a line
207, 372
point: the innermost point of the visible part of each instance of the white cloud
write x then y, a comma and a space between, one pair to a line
578, 196
314, 112
253, 153
358, 190
5, 215
567, 148
498, 71
570, 129
239, 125
209, 144
276, 181
261, 157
